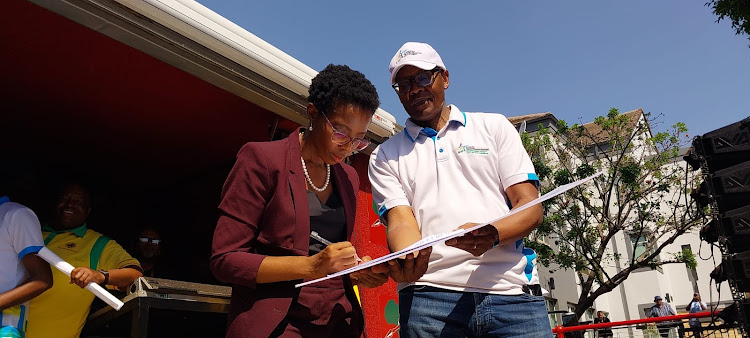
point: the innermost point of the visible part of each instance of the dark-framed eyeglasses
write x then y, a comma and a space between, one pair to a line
341, 139
149, 240
422, 79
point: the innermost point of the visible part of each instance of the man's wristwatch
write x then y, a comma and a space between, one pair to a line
106, 276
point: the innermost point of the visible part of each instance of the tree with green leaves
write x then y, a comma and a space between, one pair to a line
738, 11
643, 194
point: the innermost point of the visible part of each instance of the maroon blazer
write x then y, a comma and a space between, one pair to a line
264, 212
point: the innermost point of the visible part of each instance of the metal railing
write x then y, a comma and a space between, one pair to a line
669, 326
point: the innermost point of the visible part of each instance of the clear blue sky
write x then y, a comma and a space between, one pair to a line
575, 59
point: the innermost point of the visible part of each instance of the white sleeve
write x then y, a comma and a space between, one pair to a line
26, 232
387, 191
513, 162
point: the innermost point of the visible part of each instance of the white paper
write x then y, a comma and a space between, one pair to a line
433, 239
66, 268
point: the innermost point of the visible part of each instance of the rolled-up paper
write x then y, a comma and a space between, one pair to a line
66, 268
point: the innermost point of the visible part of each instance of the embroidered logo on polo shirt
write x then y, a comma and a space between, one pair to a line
69, 246
472, 150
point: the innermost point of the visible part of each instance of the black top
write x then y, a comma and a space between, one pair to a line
604, 331
327, 219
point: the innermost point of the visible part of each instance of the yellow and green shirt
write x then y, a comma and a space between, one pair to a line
62, 310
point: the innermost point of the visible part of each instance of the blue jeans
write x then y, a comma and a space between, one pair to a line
432, 312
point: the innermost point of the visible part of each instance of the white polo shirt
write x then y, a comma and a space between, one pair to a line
455, 176
20, 234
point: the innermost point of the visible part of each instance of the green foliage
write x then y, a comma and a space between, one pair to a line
542, 170
641, 193
613, 112
562, 176
544, 252
686, 256
585, 170
738, 11
629, 174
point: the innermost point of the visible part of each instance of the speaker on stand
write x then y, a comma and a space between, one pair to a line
723, 156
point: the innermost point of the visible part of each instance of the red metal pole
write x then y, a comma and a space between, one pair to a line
560, 330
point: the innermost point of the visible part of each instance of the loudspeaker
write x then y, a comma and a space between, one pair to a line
735, 267
723, 147
736, 226
731, 314
741, 264
731, 186
712, 231
736, 221
702, 194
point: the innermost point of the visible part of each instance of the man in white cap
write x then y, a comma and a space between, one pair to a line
449, 169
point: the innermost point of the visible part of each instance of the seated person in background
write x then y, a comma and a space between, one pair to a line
24, 274
62, 311
148, 250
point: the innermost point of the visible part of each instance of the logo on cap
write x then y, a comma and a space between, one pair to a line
406, 52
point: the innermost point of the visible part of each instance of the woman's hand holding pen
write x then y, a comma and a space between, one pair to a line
370, 278
334, 258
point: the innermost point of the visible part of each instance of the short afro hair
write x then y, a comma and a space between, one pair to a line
339, 84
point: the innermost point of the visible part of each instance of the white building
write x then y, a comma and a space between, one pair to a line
634, 296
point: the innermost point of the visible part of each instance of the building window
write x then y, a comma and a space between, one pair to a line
692, 274
640, 244
588, 317
551, 312
590, 314
638, 247
571, 308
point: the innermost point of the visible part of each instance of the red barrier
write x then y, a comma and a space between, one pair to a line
561, 330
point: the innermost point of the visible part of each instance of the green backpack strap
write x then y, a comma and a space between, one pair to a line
96, 250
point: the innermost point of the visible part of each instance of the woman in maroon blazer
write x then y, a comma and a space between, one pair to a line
275, 196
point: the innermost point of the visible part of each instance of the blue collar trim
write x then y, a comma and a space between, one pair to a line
429, 132
412, 130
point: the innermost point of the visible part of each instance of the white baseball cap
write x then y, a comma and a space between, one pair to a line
417, 54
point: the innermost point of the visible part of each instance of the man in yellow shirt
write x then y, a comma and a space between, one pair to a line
62, 310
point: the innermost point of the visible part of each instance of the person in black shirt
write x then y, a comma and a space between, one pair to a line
604, 332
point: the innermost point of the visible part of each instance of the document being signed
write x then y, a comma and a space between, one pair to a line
442, 237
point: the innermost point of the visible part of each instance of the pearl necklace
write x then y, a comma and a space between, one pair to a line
307, 176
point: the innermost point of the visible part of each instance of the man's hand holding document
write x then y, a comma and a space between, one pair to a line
429, 241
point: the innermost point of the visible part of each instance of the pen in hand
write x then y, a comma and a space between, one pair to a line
314, 235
